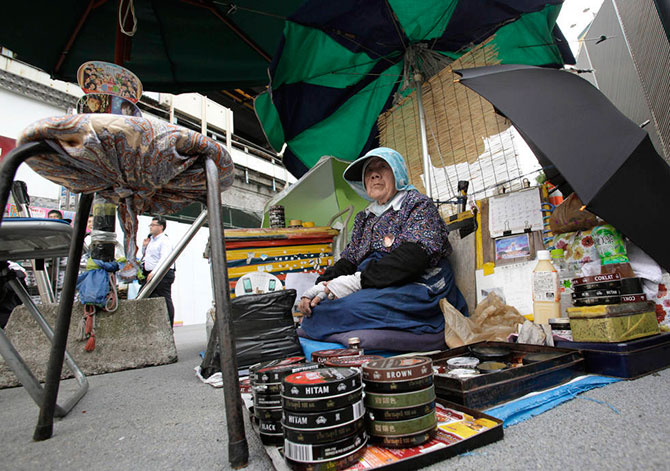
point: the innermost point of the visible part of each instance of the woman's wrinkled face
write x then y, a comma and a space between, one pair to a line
379, 180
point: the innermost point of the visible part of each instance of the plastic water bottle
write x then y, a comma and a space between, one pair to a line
565, 276
546, 293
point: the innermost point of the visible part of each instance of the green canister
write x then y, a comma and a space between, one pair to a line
612, 250
610, 244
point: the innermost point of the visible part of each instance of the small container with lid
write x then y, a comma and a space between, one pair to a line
561, 327
354, 343
277, 216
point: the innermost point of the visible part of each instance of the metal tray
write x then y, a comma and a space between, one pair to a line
627, 360
487, 390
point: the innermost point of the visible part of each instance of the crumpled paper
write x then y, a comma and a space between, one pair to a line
535, 334
492, 320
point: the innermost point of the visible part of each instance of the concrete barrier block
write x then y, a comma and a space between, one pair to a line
136, 335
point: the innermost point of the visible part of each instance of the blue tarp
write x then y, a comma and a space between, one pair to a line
534, 404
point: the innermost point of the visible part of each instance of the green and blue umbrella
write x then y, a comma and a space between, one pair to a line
340, 64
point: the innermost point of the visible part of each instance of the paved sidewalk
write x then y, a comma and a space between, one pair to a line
164, 418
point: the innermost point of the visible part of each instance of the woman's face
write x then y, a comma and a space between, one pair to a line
379, 181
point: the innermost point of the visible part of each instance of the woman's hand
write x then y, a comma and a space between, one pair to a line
306, 304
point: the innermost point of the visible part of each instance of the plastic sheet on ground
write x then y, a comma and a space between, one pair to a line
536, 403
215, 380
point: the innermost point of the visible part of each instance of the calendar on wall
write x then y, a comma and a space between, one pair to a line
514, 213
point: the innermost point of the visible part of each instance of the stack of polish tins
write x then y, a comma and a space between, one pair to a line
265, 379
324, 419
400, 401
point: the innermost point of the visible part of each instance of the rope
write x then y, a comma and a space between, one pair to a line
86, 328
112, 303
123, 16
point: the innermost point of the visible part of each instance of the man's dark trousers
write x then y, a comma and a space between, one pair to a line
164, 290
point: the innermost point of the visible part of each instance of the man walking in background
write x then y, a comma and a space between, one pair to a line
156, 250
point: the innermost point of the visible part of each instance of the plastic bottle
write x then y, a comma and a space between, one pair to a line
565, 276
546, 293
612, 250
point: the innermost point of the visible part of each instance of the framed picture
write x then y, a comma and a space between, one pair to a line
513, 248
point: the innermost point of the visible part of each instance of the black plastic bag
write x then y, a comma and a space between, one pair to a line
263, 329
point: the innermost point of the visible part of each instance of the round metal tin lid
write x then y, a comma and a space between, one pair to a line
397, 369
323, 382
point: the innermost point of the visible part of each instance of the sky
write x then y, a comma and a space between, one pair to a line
574, 17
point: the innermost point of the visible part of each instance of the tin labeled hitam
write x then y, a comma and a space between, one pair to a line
323, 419
321, 383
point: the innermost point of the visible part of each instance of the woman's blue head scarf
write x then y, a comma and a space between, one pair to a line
353, 175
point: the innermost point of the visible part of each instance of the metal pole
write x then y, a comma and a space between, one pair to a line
44, 428
42, 280
238, 450
418, 78
162, 269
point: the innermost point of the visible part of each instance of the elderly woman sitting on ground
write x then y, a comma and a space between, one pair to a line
394, 271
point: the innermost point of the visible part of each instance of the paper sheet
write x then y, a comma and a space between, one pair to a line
510, 282
515, 212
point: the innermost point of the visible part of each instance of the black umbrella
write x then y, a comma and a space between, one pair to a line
585, 144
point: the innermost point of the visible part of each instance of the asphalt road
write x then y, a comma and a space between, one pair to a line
164, 418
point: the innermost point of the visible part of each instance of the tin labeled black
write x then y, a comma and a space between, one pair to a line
268, 413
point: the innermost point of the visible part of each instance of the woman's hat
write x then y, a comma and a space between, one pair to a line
353, 174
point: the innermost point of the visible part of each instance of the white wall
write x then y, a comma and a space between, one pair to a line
192, 288
16, 113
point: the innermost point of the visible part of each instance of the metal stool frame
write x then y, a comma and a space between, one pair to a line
238, 453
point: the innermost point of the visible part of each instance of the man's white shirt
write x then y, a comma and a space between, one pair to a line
157, 250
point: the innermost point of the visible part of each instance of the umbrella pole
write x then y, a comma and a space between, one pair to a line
427, 181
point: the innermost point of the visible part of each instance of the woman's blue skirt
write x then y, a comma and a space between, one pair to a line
413, 307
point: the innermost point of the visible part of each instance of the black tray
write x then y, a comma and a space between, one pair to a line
627, 360
487, 390
424, 458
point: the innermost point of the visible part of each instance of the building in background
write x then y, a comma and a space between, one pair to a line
27, 95
628, 50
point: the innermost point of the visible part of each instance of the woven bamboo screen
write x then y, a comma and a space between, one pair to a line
464, 133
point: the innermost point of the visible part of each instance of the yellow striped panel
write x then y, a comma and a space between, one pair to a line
300, 264
281, 251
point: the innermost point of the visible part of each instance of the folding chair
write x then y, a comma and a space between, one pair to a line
24, 238
143, 166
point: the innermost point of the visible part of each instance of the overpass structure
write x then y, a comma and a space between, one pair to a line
259, 173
